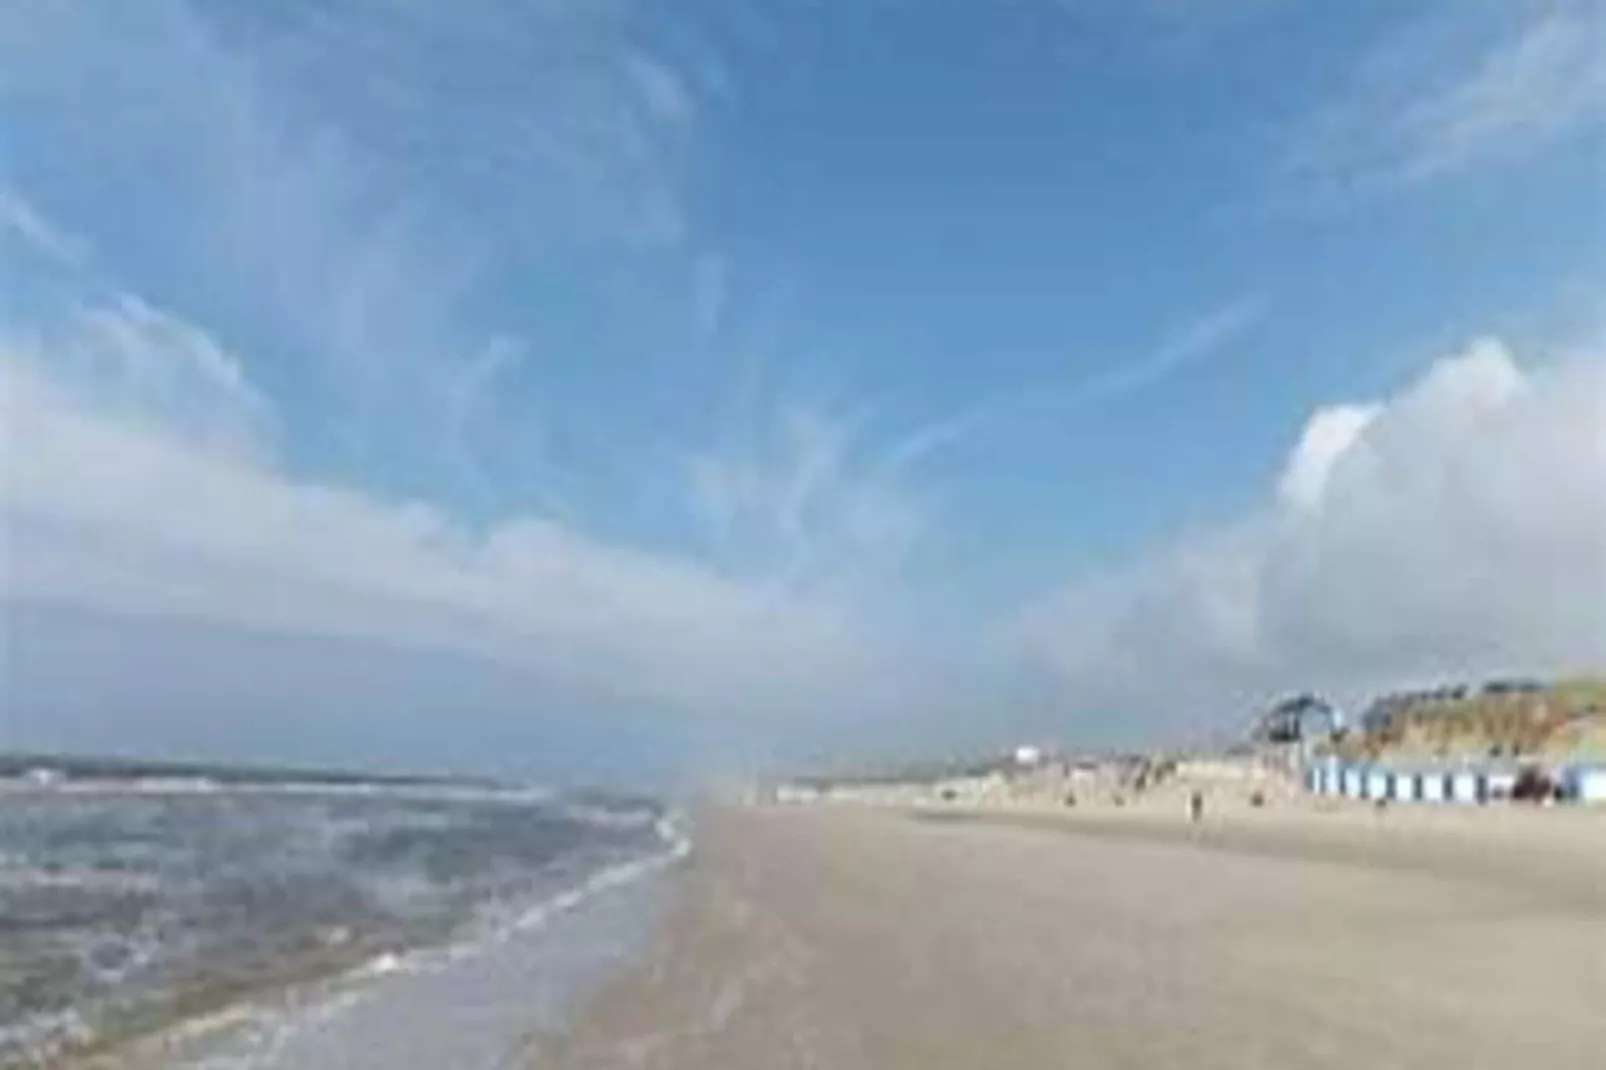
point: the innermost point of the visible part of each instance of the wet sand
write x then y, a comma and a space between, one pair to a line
848, 938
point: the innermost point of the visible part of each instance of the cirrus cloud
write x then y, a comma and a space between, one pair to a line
1447, 93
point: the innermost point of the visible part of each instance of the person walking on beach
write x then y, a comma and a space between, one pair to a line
1195, 806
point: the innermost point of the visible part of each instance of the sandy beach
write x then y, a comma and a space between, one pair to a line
852, 938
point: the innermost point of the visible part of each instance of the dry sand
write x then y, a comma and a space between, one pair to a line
849, 938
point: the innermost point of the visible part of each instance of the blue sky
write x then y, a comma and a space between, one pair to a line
771, 378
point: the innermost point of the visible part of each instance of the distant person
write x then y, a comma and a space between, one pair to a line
1196, 806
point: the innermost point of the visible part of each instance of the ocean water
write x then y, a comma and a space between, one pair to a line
223, 925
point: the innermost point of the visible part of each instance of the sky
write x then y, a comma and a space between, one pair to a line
589, 389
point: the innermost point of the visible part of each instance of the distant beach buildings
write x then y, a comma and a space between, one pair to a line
1467, 786
1587, 783
1579, 783
1028, 755
1507, 739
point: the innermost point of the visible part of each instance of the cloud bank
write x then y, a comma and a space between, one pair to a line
120, 499
1457, 527
1454, 529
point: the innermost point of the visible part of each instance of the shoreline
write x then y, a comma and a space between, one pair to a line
869, 937
249, 1025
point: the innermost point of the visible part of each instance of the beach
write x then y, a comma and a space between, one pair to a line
853, 937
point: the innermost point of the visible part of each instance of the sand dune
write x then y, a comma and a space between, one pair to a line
855, 938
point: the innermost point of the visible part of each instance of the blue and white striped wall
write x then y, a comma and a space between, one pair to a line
1467, 786
1470, 784
1406, 786
1586, 783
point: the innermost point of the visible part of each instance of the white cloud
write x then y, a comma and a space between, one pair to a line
1329, 434
801, 501
299, 178
124, 356
21, 221
1207, 335
664, 93
112, 512
1544, 84
1455, 529
352, 189
1439, 97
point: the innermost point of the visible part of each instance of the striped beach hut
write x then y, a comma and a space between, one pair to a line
1498, 783
1406, 786
1467, 786
1586, 783
1352, 782
1378, 782
1432, 786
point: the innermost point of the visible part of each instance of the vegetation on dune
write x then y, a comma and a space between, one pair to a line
1566, 720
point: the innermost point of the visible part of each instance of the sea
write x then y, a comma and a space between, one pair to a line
200, 919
